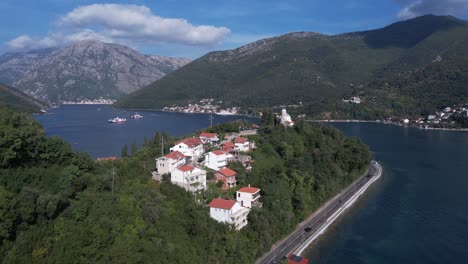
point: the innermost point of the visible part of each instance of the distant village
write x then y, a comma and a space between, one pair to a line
99, 101
440, 119
205, 105
190, 159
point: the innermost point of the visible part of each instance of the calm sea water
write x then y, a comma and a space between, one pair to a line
417, 212
86, 128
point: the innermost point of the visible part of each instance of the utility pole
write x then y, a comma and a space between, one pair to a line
113, 180
211, 120
162, 145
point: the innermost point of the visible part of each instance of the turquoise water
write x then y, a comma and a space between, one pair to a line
86, 128
416, 213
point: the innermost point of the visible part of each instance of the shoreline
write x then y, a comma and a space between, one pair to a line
301, 239
383, 123
301, 248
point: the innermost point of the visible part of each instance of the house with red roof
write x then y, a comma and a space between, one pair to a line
190, 178
216, 159
190, 147
228, 147
227, 176
248, 197
229, 211
293, 259
167, 164
208, 138
243, 144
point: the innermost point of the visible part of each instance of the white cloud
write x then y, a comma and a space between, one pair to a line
123, 24
413, 8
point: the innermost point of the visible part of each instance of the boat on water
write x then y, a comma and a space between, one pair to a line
137, 116
117, 120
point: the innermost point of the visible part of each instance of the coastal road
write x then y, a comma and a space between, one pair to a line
315, 222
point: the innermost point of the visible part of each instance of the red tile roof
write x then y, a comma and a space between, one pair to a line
241, 140
218, 152
221, 203
175, 155
186, 168
191, 142
208, 135
227, 172
229, 144
249, 189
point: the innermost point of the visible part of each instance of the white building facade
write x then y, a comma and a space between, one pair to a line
216, 160
229, 211
190, 178
243, 144
170, 162
190, 147
286, 119
248, 197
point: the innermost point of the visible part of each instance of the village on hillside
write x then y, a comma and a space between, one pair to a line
191, 159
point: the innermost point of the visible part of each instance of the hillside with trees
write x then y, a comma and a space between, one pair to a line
407, 68
59, 206
18, 100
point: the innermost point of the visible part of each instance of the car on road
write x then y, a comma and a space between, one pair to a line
308, 229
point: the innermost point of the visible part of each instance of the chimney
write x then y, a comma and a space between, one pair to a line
249, 184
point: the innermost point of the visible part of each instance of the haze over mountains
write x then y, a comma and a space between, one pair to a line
409, 67
85, 70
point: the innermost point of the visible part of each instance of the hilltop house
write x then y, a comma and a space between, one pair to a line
227, 176
248, 197
190, 178
190, 147
168, 163
243, 144
286, 119
229, 211
211, 138
216, 159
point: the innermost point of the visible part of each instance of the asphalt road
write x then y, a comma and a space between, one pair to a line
283, 248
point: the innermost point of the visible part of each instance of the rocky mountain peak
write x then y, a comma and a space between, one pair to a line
87, 69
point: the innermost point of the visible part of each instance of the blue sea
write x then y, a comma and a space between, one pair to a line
87, 129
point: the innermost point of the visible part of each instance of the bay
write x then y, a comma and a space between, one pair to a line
416, 213
86, 128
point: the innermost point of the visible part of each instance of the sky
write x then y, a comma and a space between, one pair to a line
193, 28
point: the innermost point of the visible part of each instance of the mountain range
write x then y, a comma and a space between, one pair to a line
407, 68
85, 70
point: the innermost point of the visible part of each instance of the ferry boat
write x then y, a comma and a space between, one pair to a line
117, 120
137, 116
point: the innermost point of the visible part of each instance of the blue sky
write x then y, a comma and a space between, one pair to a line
193, 28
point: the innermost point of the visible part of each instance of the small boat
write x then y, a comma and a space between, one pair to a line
137, 116
117, 120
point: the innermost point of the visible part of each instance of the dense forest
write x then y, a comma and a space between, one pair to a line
59, 206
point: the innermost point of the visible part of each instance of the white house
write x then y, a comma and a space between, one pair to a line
243, 144
216, 159
229, 211
190, 147
286, 119
170, 162
190, 178
248, 197
209, 137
